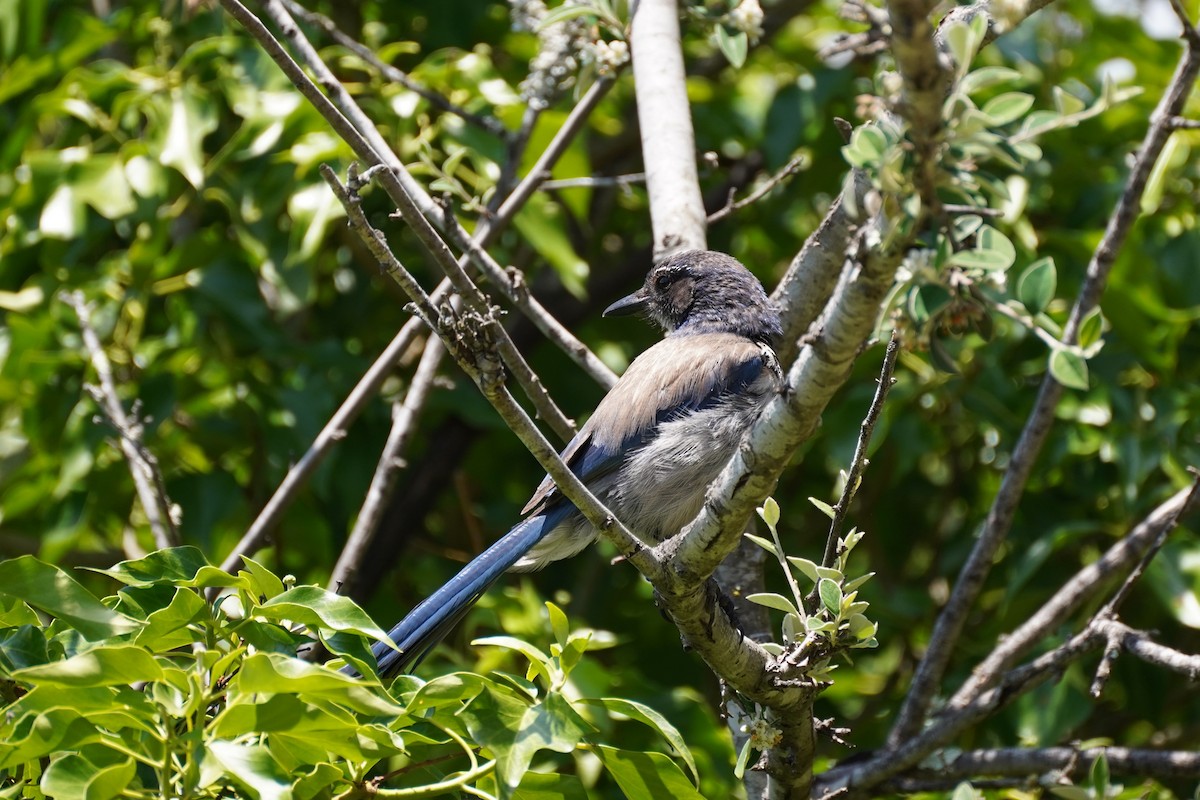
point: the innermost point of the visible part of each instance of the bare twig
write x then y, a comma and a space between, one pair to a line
1185, 124
147, 478
1074, 594
1139, 645
789, 169
404, 419
598, 182
1037, 427
1049, 765
857, 780
1110, 608
487, 123
859, 463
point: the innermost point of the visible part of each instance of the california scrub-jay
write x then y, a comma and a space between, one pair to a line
655, 442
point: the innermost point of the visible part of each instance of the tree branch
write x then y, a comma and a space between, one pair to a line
1037, 427
665, 119
143, 467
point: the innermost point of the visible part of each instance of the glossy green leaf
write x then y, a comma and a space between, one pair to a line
733, 45
831, 595
254, 768
514, 731
74, 777
1069, 369
108, 665
1035, 287
646, 774
772, 600
55, 592
271, 672
1007, 107
648, 716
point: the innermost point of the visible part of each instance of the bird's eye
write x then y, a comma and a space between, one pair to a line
662, 281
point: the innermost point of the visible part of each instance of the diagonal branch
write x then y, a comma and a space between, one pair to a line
147, 478
974, 572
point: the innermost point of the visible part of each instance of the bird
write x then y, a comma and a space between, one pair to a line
653, 445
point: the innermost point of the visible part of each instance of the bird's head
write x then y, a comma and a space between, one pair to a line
701, 291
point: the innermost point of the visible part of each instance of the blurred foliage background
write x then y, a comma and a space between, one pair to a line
154, 158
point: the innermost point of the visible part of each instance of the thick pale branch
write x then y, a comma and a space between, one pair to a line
665, 119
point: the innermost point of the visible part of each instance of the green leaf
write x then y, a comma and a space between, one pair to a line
550, 786
772, 600
986, 77
765, 544
733, 45
1067, 103
823, 507
74, 776
252, 766
272, 673
515, 731
1007, 107
108, 665
167, 628
1100, 776
1091, 329
646, 774
1069, 369
538, 660
1174, 153
648, 716
925, 302
174, 564
993, 251
831, 595
53, 591
564, 13
809, 568
263, 583
769, 512
558, 623
191, 119
320, 610
1035, 287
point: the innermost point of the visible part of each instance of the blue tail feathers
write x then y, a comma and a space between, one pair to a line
433, 618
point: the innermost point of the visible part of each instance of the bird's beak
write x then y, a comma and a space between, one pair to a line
628, 305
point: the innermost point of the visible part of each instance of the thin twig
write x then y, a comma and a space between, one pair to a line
949, 625
418, 209
1080, 590
859, 463
1185, 124
1110, 608
487, 123
540, 171
147, 478
598, 182
789, 169
1048, 766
